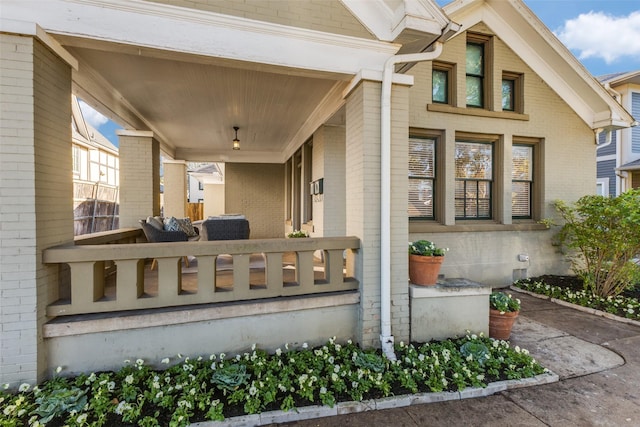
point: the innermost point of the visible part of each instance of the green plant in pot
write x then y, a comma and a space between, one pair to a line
425, 260
503, 311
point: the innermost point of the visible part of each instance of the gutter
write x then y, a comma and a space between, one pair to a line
386, 338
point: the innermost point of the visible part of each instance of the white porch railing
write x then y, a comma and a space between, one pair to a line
93, 291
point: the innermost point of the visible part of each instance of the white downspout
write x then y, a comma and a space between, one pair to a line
385, 193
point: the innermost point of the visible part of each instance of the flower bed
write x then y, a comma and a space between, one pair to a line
216, 387
569, 289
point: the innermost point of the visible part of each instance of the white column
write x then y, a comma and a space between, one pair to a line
175, 188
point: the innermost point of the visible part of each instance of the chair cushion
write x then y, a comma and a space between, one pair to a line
180, 224
156, 222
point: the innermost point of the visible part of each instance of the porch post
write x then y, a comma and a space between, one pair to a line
175, 188
139, 176
329, 165
362, 183
36, 192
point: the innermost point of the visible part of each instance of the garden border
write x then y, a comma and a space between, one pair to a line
578, 307
353, 407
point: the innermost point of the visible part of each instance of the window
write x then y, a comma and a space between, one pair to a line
441, 83
512, 92
421, 177
475, 74
508, 87
522, 181
77, 160
474, 175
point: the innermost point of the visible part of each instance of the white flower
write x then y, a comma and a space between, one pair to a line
139, 362
58, 369
305, 345
81, 418
129, 379
24, 387
165, 361
278, 352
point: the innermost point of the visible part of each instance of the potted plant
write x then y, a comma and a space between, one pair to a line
425, 260
503, 311
295, 234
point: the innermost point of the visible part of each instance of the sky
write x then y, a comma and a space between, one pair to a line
603, 34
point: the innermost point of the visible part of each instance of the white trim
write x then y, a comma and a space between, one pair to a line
171, 28
32, 29
132, 132
607, 157
605, 186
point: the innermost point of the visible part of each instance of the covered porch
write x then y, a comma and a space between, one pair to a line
307, 100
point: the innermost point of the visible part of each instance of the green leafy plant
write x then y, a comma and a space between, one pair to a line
59, 401
426, 248
215, 387
504, 303
603, 238
297, 233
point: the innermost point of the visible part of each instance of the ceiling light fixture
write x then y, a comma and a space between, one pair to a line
236, 141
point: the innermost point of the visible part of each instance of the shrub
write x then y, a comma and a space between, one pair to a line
603, 236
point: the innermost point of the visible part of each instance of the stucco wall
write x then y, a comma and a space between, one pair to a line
230, 329
256, 190
480, 252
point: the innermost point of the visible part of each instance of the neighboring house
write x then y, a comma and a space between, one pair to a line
619, 151
200, 174
367, 123
95, 177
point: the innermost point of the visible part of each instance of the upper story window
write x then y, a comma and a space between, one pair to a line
522, 181
475, 74
422, 176
442, 83
512, 93
474, 179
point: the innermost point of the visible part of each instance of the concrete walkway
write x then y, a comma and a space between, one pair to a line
597, 361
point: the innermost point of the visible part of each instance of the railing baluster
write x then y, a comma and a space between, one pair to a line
87, 271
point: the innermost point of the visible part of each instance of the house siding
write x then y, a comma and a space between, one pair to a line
321, 15
35, 205
256, 191
609, 149
606, 169
635, 132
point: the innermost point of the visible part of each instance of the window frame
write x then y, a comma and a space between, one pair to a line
434, 141
532, 169
517, 94
490, 181
449, 69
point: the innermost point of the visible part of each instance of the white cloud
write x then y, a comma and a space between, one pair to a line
93, 117
598, 35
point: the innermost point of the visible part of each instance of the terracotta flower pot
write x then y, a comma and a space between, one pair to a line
500, 324
424, 270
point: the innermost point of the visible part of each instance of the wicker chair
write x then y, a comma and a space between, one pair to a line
154, 235
225, 229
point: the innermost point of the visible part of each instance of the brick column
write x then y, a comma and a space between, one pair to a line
139, 176
363, 205
36, 196
175, 188
329, 215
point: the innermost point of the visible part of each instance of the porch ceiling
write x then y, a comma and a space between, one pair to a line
191, 103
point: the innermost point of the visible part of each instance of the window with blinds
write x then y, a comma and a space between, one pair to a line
522, 181
421, 177
474, 176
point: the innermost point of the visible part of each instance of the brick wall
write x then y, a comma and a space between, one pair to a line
36, 209
139, 177
320, 15
328, 164
257, 191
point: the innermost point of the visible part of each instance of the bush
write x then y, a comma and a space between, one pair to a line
603, 236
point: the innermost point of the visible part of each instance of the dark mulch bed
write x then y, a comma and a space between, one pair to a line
575, 283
